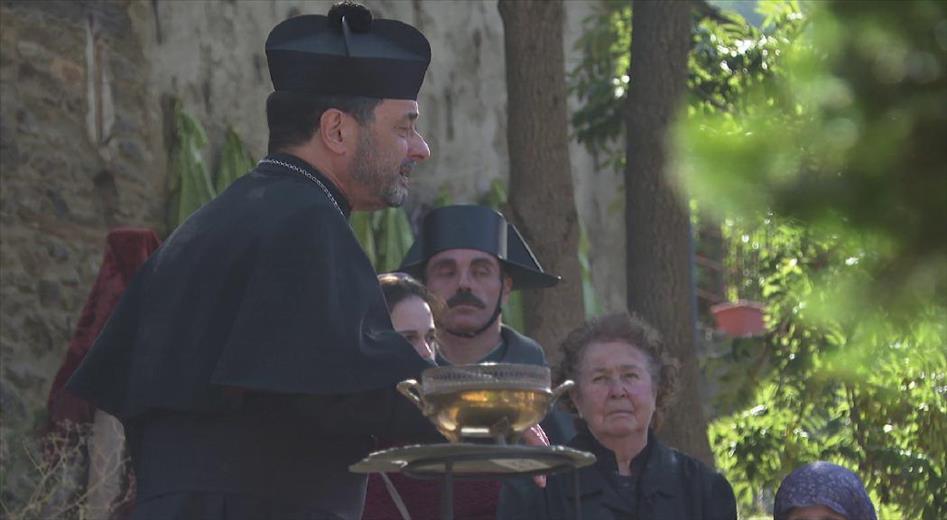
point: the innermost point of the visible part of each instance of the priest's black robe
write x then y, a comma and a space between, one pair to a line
252, 358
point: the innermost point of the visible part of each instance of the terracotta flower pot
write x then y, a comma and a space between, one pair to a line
739, 319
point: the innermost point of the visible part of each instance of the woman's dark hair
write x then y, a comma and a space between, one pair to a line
293, 117
630, 329
398, 286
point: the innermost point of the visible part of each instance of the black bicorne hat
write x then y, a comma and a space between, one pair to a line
347, 53
480, 228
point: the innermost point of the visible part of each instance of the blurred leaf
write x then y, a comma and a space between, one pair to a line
830, 191
361, 223
191, 186
235, 161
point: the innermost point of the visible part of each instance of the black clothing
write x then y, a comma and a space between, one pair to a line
513, 348
280, 456
347, 53
252, 358
263, 288
668, 486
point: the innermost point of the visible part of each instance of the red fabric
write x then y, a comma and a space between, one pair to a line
473, 499
126, 250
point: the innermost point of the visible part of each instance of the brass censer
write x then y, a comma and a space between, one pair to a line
489, 400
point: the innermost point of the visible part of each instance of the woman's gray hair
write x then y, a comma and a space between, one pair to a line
630, 329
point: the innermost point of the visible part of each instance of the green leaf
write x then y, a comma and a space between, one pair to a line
191, 186
235, 160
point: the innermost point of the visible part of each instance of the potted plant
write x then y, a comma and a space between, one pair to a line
742, 318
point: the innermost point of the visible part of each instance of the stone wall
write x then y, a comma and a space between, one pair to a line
81, 151
85, 92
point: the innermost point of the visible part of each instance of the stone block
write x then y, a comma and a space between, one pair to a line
59, 205
37, 336
15, 408
58, 252
34, 53
49, 293
32, 262
69, 73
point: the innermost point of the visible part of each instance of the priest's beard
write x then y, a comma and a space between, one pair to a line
386, 178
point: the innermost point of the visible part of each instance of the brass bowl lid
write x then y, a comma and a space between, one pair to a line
485, 376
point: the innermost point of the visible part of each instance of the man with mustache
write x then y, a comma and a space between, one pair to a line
472, 258
252, 358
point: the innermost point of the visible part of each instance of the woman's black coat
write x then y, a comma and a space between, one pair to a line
671, 486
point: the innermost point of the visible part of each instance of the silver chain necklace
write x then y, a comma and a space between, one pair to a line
309, 176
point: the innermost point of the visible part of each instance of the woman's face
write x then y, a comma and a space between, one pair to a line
615, 394
813, 513
412, 318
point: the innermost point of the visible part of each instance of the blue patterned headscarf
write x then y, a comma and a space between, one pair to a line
824, 484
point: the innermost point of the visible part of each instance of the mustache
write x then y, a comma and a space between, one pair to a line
407, 167
465, 298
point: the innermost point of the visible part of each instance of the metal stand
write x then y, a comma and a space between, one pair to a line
443, 467
466, 461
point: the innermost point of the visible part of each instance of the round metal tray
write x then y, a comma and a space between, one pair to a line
465, 460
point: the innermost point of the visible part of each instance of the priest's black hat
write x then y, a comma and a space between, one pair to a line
480, 228
347, 53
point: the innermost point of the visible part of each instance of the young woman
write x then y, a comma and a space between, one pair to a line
412, 309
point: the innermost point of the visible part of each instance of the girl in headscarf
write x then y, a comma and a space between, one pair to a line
822, 491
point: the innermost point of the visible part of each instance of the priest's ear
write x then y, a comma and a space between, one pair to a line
338, 131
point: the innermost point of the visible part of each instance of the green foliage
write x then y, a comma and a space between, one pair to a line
589, 297
898, 410
191, 184
235, 160
816, 140
728, 57
384, 235
857, 388
830, 184
600, 80
844, 145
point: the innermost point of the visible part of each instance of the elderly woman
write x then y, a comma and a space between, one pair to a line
624, 380
413, 309
822, 491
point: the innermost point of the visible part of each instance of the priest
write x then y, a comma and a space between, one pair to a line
252, 359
